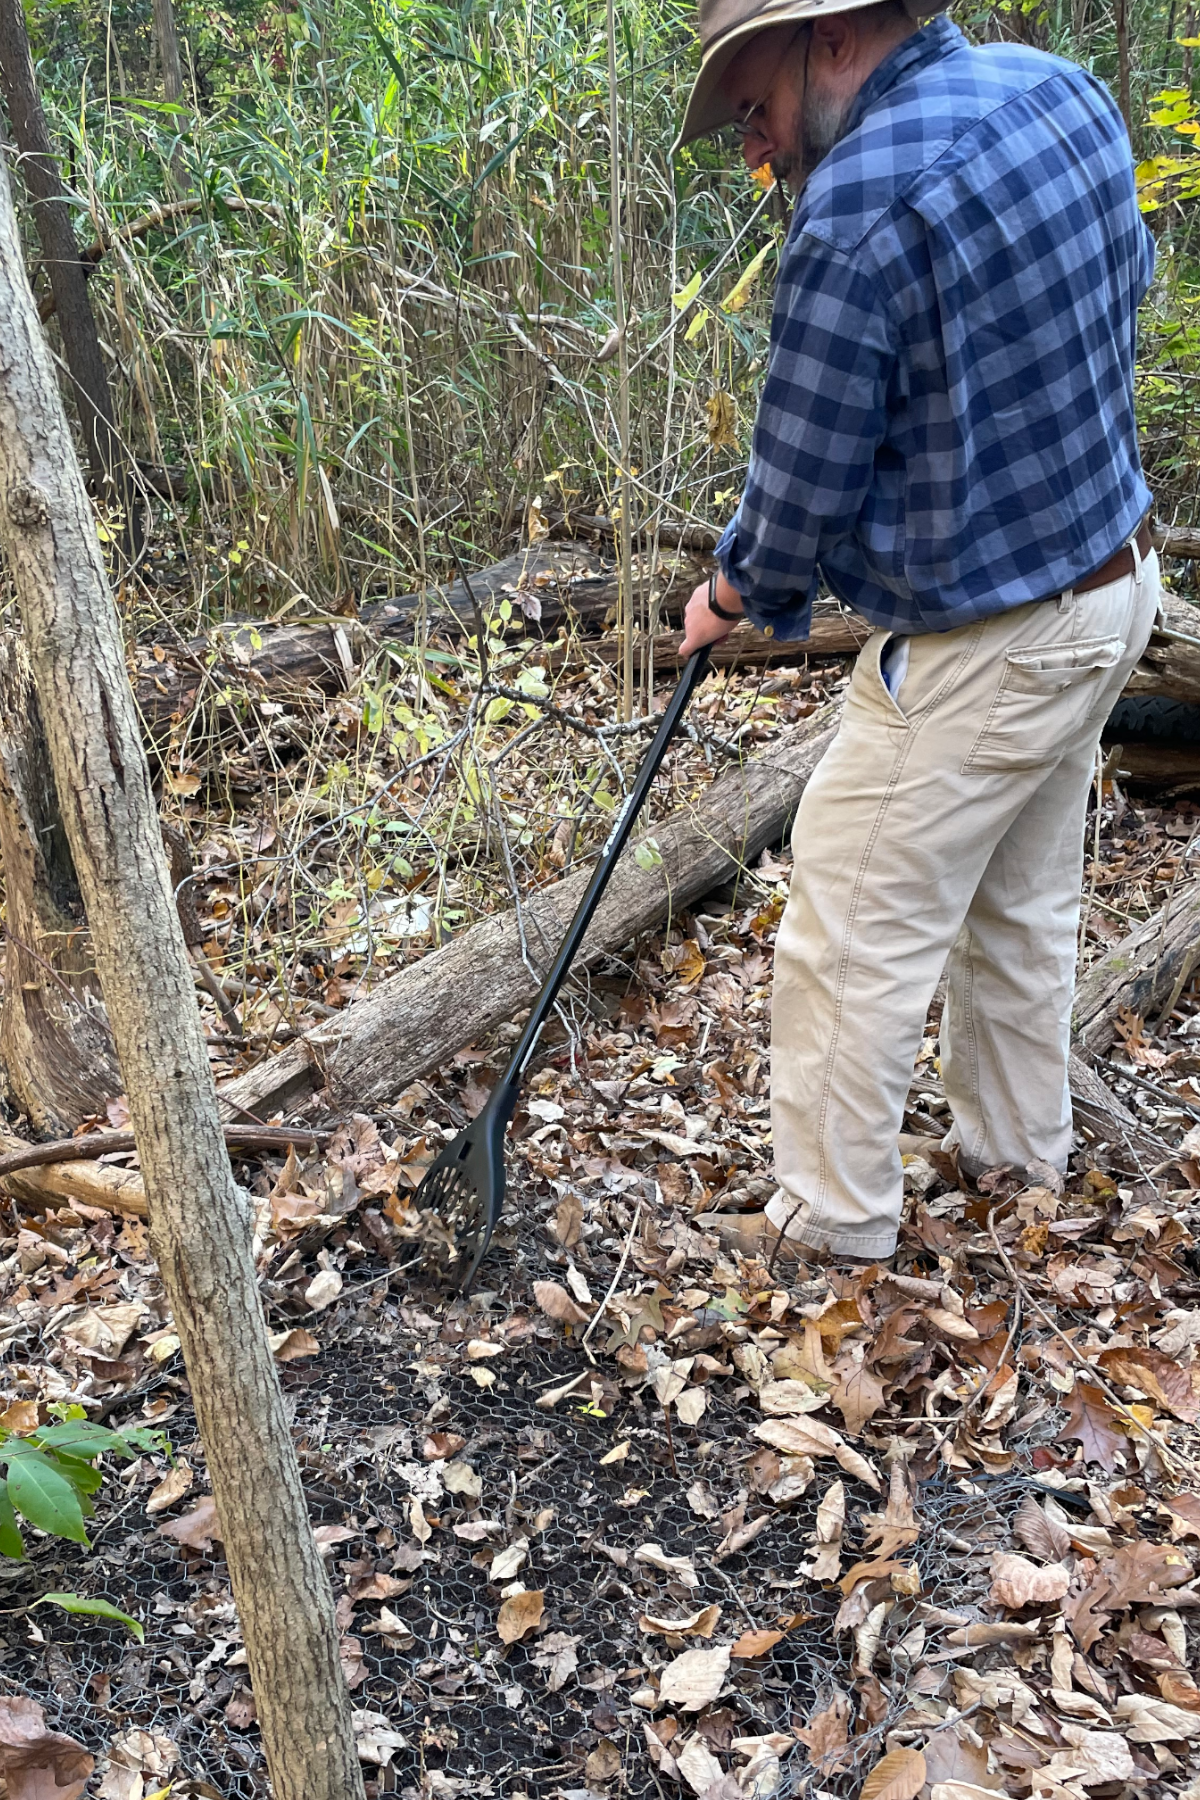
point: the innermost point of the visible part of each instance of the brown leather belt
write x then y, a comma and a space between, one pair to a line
1120, 563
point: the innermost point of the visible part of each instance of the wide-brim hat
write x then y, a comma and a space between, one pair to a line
725, 25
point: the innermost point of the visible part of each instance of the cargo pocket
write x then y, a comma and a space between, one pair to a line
1046, 694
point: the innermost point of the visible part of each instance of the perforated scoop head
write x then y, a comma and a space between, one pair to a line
462, 1195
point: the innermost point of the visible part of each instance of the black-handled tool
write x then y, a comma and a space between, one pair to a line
462, 1194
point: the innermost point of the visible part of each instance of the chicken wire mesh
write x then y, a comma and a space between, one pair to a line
470, 1715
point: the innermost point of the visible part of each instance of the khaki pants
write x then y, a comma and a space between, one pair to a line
946, 823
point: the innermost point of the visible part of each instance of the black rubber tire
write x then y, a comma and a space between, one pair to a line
1152, 717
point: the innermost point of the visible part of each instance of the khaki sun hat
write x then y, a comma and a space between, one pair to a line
725, 26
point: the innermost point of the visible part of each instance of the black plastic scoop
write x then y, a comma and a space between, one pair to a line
462, 1195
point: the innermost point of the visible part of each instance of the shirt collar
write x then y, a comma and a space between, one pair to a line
940, 38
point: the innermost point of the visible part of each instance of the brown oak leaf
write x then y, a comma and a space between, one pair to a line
1093, 1422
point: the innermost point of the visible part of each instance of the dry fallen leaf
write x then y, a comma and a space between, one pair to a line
1148, 1721
699, 1767
1094, 1423
21, 1417
1042, 1536
603, 1762
288, 1346
1159, 1377
756, 1643
520, 1614
691, 1405
900, 1775
557, 1304
173, 1486
694, 1679
1016, 1582
558, 1655
440, 1446
701, 1623
507, 1562
422, 1530
812, 1437
681, 1568
196, 1529
323, 1289
38, 1764
826, 1734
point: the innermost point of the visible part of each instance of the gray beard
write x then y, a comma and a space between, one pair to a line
824, 125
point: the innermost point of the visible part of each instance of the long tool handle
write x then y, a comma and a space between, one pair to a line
694, 672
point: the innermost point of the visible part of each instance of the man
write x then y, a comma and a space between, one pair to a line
946, 435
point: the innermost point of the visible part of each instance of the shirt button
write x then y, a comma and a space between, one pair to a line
768, 631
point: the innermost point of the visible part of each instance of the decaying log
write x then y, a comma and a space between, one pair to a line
55, 1044
1105, 1119
567, 586
1176, 540
1144, 974
833, 634
73, 1183
1157, 765
1170, 666
417, 1018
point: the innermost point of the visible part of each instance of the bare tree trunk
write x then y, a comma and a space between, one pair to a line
199, 1220
52, 217
55, 1042
166, 31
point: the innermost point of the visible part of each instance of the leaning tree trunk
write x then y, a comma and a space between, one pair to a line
199, 1220
56, 1047
56, 233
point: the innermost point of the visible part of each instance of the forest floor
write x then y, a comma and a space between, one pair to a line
639, 1517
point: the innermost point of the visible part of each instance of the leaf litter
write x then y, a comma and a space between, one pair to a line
925, 1531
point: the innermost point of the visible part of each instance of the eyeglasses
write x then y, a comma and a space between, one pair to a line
744, 127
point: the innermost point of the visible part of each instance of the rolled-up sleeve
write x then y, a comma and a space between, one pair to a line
821, 420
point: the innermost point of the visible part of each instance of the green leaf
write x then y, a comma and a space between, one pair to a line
82, 1439
99, 1609
44, 1496
648, 855
10, 1536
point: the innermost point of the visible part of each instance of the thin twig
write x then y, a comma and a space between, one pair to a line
637, 1213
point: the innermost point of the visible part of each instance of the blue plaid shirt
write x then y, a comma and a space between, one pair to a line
947, 426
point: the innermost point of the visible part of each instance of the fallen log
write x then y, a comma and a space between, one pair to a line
73, 1183
1144, 974
1171, 665
565, 587
416, 1019
1175, 540
833, 634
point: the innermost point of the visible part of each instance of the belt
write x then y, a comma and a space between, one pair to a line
1120, 563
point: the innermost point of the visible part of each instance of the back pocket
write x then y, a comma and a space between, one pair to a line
1046, 695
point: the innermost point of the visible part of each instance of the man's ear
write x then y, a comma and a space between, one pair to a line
835, 39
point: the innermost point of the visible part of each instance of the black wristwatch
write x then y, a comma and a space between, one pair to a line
722, 612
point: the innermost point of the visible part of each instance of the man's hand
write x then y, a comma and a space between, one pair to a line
701, 624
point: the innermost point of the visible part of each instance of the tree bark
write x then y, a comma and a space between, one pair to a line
1144, 974
56, 233
59, 1060
199, 1220
166, 31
